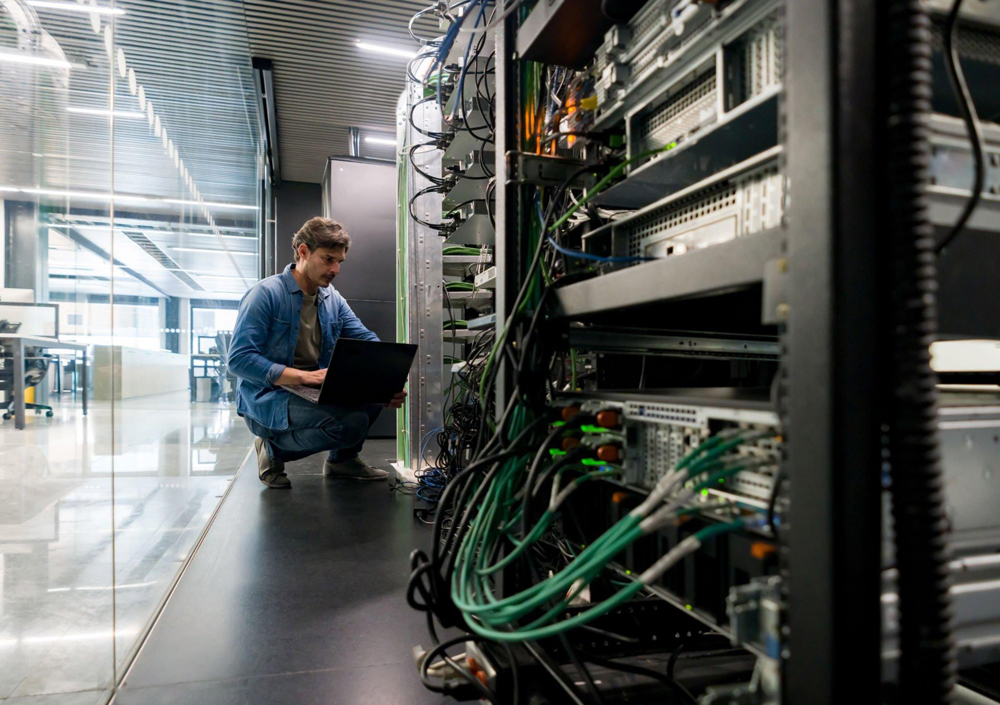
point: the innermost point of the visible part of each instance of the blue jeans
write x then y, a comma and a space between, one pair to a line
312, 428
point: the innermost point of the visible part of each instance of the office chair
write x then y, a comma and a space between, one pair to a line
226, 379
36, 367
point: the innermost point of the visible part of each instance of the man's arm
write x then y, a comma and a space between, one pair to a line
353, 327
250, 337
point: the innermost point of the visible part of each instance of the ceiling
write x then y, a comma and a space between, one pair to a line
325, 84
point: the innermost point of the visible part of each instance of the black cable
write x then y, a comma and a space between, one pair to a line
439, 649
578, 664
430, 189
676, 687
436, 180
772, 502
927, 661
967, 108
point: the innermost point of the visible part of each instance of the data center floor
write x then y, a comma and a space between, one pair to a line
294, 597
63, 629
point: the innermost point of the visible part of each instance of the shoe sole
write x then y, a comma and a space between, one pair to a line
357, 479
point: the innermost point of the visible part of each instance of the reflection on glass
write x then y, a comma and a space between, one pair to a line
129, 177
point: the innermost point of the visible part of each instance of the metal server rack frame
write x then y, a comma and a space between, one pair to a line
424, 266
826, 245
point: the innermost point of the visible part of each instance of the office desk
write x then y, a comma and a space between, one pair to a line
18, 343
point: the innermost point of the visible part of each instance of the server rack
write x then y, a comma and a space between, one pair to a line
820, 278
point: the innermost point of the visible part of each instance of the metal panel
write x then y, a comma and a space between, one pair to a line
725, 267
425, 276
362, 197
833, 444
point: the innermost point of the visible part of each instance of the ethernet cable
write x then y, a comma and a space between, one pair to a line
584, 568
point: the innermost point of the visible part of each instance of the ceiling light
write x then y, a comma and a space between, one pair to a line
214, 204
74, 7
228, 237
107, 113
18, 57
392, 51
205, 249
86, 195
380, 140
121, 197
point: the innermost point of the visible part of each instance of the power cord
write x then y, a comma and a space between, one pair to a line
967, 107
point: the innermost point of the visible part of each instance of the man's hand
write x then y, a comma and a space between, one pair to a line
291, 377
312, 378
397, 401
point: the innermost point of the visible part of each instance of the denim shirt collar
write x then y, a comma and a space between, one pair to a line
291, 286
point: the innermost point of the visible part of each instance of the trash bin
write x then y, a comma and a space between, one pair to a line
203, 389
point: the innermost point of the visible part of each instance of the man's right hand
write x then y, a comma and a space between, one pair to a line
313, 378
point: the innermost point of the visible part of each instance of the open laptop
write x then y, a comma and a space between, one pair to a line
361, 372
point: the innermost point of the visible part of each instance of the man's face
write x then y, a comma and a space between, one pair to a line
321, 265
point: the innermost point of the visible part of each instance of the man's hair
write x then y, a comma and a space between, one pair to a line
321, 232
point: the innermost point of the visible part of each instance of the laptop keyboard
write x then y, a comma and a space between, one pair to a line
310, 393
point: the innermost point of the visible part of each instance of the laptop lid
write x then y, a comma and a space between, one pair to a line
366, 372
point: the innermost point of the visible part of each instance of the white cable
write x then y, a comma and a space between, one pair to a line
674, 556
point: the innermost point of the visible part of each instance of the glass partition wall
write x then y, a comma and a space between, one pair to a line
130, 164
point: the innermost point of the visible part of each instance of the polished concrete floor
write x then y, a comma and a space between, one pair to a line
295, 596
97, 516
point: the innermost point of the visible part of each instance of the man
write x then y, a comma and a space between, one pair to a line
285, 332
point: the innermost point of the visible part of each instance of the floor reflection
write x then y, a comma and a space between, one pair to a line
63, 628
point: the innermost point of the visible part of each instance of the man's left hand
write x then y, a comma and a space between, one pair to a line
397, 401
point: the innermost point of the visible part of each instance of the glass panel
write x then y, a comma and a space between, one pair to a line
185, 230
56, 540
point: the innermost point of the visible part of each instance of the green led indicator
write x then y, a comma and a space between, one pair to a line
628, 572
722, 481
704, 493
591, 462
688, 607
556, 452
589, 428
558, 424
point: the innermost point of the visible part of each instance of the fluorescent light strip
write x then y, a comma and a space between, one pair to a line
210, 204
84, 195
392, 51
380, 140
205, 249
98, 196
107, 113
207, 275
227, 237
17, 57
74, 7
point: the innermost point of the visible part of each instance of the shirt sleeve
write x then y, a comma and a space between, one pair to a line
353, 327
250, 337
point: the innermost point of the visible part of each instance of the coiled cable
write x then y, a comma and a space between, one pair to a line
927, 660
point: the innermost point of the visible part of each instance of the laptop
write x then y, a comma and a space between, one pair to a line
361, 372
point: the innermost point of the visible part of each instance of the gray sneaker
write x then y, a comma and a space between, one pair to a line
271, 472
353, 469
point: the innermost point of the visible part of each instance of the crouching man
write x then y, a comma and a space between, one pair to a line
285, 332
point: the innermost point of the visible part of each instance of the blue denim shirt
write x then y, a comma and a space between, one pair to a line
264, 338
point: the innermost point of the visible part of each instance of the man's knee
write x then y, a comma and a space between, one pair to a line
354, 427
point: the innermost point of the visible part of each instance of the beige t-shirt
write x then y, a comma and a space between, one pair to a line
307, 346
